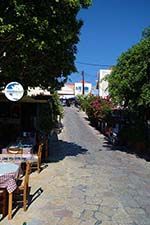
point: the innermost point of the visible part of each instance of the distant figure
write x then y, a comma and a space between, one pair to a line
67, 102
76, 103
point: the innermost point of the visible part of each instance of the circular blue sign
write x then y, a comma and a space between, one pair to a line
14, 91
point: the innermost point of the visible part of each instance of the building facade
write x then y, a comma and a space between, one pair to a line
102, 83
70, 90
67, 91
79, 88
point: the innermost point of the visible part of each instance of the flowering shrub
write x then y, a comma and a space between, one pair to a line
99, 108
96, 107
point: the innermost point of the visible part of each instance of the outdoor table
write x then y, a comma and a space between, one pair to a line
9, 172
26, 149
16, 158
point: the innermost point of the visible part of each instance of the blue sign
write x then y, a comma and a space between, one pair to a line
14, 91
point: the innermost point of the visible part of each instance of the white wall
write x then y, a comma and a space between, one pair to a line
37, 91
102, 84
67, 91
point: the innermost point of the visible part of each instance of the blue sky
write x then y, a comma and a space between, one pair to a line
110, 28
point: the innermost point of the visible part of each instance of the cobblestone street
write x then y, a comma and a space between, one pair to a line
87, 182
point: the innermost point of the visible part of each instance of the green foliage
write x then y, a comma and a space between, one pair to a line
45, 122
48, 114
57, 106
129, 82
84, 101
39, 40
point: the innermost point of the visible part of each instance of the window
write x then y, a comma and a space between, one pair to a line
86, 89
78, 88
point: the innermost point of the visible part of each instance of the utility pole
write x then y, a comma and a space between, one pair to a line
82, 82
98, 74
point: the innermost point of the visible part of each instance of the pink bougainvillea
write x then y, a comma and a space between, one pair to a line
96, 107
99, 108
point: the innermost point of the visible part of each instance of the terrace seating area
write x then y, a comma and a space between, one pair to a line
17, 161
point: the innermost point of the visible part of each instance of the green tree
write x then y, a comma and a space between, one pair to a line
38, 40
129, 82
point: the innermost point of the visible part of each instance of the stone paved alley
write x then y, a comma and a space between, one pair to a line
87, 182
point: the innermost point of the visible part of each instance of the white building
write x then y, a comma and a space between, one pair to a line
102, 84
67, 91
79, 88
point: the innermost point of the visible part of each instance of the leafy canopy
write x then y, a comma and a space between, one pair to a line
38, 40
129, 82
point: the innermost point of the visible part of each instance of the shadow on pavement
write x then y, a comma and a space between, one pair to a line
31, 199
126, 149
34, 196
59, 149
130, 150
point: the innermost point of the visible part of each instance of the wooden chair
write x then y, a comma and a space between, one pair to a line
23, 187
21, 191
3, 201
46, 149
37, 158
